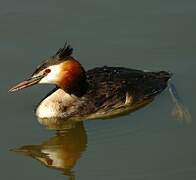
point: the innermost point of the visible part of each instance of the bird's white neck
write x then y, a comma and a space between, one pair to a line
55, 104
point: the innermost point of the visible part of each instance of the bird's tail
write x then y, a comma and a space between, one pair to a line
180, 111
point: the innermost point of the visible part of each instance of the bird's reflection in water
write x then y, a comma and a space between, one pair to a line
60, 152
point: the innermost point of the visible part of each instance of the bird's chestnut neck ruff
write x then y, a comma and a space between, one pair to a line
73, 78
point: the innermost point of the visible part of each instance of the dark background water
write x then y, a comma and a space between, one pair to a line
152, 35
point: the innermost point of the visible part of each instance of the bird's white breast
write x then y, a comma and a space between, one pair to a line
52, 106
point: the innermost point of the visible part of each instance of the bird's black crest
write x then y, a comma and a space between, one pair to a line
61, 55
64, 52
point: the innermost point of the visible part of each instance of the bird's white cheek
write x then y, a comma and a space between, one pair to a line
50, 78
53, 76
46, 80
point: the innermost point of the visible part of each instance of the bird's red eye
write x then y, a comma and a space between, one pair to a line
47, 71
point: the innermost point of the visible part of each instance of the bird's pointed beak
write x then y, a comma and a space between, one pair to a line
26, 83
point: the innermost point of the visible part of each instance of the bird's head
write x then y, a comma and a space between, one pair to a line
61, 69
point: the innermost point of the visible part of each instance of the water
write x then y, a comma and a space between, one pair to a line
148, 144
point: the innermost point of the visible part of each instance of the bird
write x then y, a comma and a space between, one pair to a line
98, 93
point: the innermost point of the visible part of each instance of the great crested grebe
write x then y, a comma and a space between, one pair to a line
101, 92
